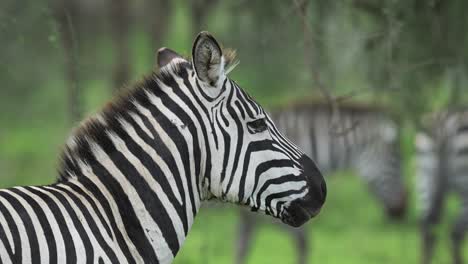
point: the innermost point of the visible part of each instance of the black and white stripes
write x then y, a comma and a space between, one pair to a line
133, 177
442, 167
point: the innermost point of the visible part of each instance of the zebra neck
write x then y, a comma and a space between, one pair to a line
146, 182
147, 157
154, 205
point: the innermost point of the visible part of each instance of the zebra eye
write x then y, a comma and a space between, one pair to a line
257, 126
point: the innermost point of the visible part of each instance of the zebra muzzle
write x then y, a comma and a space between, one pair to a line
301, 210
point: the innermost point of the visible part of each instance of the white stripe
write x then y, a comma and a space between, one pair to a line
41, 239
154, 155
156, 101
4, 257
61, 257
141, 124
92, 238
152, 183
265, 176
109, 241
153, 233
87, 171
170, 144
8, 234
287, 199
79, 246
25, 247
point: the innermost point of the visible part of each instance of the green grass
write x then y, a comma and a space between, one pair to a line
350, 229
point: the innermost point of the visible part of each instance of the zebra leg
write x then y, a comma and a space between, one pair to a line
428, 242
431, 219
244, 239
458, 235
301, 244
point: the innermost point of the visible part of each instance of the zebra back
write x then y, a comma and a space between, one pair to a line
360, 137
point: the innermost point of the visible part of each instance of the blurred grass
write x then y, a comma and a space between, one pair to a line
350, 229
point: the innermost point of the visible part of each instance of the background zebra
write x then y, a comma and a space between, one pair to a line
132, 177
442, 166
360, 137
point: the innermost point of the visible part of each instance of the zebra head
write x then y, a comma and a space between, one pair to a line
248, 162
380, 164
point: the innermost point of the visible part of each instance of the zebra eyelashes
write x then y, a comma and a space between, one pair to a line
257, 126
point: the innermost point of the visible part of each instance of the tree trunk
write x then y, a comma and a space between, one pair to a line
66, 14
200, 10
120, 22
160, 12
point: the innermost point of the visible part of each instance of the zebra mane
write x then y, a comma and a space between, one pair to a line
96, 127
230, 60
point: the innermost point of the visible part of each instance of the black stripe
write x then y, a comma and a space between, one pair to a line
129, 218
89, 185
12, 226
240, 138
241, 96
93, 205
150, 199
191, 105
241, 109
227, 150
171, 129
284, 143
223, 116
49, 235
88, 248
264, 166
280, 195
283, 179
91, 224
156, 171
28, 225
189, 122
162, 179
151, 202
251, 148
67, 239
187, 101
4, 240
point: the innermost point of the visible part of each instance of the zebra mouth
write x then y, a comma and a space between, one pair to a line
298, 213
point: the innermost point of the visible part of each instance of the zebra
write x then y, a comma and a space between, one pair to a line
366, 140
441, 167
132, 177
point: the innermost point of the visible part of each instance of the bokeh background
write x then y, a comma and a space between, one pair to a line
60, 61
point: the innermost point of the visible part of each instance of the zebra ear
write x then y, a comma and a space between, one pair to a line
208, 59
164, 56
